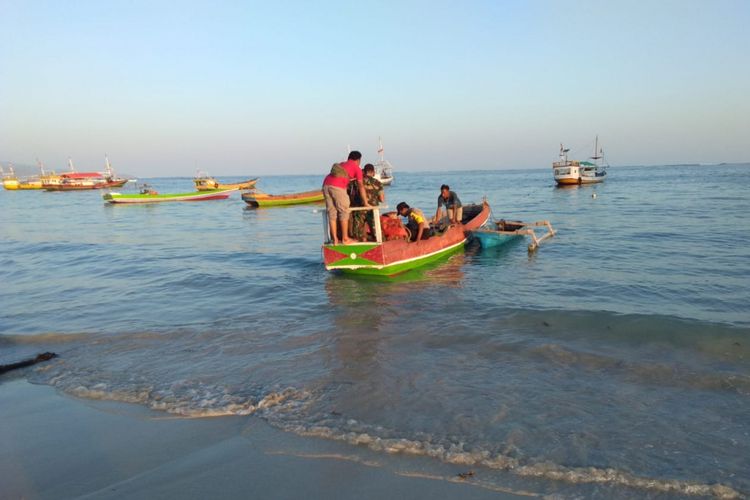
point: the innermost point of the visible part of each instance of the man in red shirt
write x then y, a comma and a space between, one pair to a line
337, 199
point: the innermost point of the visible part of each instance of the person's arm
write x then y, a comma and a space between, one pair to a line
381, 196
437, 213
456, 206
421, 223
362, 193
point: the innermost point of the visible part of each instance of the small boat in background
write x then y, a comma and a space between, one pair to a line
383, 168
149, 195
505, 231
257, 198
204, 182
79, 181
10, 181
570, 172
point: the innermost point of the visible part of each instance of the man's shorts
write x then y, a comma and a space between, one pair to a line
337, 201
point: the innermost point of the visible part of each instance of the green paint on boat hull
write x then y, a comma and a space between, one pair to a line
165, 196
402, 267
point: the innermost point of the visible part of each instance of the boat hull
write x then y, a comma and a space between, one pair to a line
217, 194
255, 199
396, 256
488, 238
575, 181
200, 185
28, 185
10, 184
83, 186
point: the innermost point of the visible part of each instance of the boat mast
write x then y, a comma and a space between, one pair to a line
596, 156
381, 150
41, 165
564, 154
109, 167
70, 164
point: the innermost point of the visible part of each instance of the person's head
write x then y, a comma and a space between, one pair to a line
355, 156
402, 208
369, 169
445, 190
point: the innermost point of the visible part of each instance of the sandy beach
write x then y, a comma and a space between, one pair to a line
54, 446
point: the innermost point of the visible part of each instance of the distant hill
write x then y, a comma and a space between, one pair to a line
22, 170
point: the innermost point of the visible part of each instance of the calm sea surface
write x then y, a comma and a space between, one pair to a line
613, 362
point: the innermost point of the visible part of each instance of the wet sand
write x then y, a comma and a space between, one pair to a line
55, 446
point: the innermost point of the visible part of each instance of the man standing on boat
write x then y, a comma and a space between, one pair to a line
453, 209
337, 199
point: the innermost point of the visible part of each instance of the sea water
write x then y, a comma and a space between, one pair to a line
614, 361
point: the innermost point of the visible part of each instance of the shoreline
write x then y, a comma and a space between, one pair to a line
56, 446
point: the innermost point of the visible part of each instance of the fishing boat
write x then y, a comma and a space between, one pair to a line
384, 257
79, 181
383, 168
10, 181
205, 182
47, 177
504, 231
257, 198
569, 172
149, 195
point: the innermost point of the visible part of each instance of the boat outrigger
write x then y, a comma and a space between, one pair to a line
390, 257
571, 172
505, 231
257, 198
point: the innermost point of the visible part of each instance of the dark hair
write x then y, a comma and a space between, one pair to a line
369, 168
402, 206
355, 155
445, 186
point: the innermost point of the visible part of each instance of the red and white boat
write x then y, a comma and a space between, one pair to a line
79, 181
390, 257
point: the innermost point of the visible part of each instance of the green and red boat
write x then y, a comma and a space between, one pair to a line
390, 257
151, 196
257, 198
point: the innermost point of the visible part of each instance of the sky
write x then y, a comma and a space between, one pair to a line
251, 88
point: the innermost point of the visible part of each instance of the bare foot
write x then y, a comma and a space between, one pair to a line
348, 241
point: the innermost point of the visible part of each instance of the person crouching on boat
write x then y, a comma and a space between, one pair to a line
416, 222
337, 199
454, 211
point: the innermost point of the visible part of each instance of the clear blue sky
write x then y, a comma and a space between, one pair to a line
265, 87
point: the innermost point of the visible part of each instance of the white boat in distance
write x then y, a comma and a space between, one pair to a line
571, 172
383, 168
